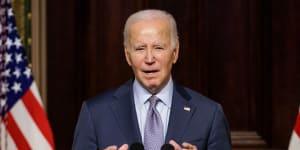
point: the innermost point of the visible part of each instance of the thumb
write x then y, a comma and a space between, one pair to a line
124, 147
176, 146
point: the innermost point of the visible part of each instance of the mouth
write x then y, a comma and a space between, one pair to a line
150, 71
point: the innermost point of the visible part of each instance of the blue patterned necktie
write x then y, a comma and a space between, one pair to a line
153, 134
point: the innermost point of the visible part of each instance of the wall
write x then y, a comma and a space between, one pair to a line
243, 54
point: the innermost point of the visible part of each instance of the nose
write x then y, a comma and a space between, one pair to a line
149, 58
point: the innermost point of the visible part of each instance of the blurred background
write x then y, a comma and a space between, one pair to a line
244, 54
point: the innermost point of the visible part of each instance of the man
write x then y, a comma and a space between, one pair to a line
151, 109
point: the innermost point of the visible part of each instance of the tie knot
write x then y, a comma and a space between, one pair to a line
153, 101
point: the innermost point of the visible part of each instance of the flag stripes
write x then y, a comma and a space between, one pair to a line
297, 126
39, 118
11, 145
31, 131
295, 138
16, 133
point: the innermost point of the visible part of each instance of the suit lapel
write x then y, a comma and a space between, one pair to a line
181, 114
124, 111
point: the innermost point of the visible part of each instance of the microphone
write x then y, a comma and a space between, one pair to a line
136, 146
167, 147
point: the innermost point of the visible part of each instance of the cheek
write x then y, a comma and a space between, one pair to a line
136, 63
169, 62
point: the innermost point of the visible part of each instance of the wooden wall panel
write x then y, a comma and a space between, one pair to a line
62, 98
285, 68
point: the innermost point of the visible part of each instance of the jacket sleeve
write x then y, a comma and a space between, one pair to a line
219, 137
84, 136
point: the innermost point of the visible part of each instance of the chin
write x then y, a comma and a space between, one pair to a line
152, 88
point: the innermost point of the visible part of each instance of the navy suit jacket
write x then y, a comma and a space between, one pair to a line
110, 119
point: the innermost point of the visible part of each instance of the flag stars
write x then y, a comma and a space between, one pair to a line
16, 87
9, 28
4, 87
9, 43
18, 58
7, 58
17, 73
10, 12
3, 101
27, 72
6, 73
18, 43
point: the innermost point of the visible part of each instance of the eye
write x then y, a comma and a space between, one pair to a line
139, 48
159, 48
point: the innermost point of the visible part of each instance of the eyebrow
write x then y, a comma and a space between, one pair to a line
162, 44
140, 45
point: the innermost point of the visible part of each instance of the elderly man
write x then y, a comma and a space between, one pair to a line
151, 109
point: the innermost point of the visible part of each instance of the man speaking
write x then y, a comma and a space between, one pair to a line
151, 108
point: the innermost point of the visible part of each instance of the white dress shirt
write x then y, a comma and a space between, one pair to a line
141, 95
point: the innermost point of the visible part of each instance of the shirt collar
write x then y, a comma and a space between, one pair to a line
165, 95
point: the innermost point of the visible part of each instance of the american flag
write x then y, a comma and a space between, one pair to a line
295, 139
23, 121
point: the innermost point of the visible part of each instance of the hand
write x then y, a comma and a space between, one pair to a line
185, 146
114, 147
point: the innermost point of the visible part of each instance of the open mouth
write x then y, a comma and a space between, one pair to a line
150, 71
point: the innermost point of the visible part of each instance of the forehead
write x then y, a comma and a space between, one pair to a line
150, 30
158, 25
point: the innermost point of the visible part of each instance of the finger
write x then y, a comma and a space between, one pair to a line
176, 146
112, 147
186, 145
124, 147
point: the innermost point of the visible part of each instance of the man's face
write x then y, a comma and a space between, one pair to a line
150, 53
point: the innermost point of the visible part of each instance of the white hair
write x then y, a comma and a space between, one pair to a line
150, 14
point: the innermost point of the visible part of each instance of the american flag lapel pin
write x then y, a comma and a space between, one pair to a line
186, 108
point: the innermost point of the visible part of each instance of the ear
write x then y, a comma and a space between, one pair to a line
127, 55
176, 52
